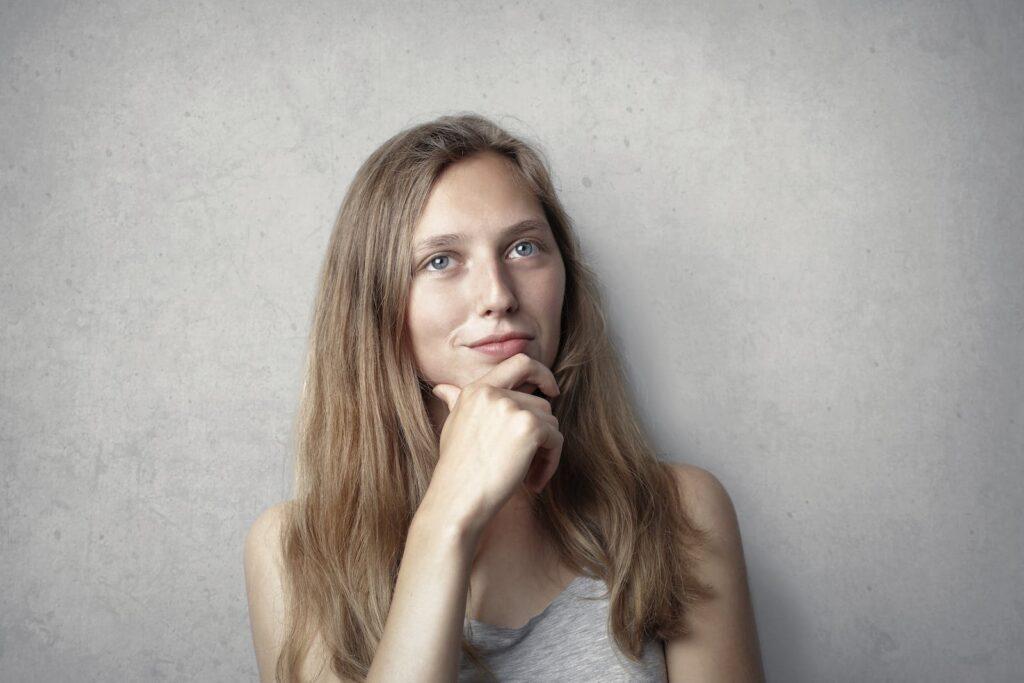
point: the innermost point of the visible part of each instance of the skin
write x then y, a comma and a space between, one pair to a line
421, 639
462, 293
495, 284
467, 292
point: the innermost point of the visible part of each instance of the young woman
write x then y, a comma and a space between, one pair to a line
475, 497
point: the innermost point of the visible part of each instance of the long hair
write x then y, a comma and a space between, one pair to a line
365, 448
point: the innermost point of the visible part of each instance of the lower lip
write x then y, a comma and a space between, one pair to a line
502, 349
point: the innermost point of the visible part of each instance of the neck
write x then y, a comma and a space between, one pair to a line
514, 561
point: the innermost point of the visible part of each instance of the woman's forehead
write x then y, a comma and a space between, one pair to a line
489, 212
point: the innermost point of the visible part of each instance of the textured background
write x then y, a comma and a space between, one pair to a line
807, 219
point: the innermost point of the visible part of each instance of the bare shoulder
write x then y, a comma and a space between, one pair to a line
724, 643
262, 552
264, 588
266, 526
706, 499
264, 583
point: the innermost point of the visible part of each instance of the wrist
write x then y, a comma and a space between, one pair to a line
444, 525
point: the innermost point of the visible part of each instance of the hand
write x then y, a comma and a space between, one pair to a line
494, 439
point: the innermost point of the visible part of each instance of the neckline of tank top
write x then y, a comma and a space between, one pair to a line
570, 589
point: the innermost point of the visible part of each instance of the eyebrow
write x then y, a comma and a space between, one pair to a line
448, 239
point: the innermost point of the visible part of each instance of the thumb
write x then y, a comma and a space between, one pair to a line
448, 393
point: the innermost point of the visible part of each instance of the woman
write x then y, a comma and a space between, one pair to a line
466, 509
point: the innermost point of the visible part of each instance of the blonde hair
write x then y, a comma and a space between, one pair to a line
365, 448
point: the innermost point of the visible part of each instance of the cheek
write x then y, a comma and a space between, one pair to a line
552, 293
428, 318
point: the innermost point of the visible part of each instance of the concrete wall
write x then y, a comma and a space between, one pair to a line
807, 218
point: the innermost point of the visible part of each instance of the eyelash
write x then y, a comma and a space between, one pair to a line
539, 245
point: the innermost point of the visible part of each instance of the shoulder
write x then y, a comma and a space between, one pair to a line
724, 642
262, 549
263, 586
264, 572
706, 500
708, 505
265, 528
267, 522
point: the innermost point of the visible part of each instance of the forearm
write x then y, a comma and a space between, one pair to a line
424, 625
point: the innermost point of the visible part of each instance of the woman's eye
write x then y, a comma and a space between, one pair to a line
525, 242
435, 258
533, 244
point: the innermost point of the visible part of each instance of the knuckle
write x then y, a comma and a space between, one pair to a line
526, 421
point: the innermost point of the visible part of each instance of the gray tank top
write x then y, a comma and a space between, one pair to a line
568, 641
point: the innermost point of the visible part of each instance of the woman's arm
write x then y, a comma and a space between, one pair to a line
724, 644
494, 440
423, 630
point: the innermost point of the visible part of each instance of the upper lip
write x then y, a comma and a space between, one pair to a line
500, 338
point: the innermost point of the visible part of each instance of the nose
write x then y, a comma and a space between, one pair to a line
494, 292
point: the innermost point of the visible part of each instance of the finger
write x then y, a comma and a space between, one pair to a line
531, 482
549, 472
537, 404
527, 387
449, 393
544, 465
540, 473
520, 368
553, 438
554, 457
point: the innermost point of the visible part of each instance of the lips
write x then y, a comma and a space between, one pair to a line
503, 349
499, 338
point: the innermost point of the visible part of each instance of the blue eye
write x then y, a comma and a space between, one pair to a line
525, 242
443, 255
434, 258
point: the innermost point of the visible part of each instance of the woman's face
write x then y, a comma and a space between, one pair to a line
487, 280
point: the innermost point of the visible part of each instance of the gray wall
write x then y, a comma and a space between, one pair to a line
807, 219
